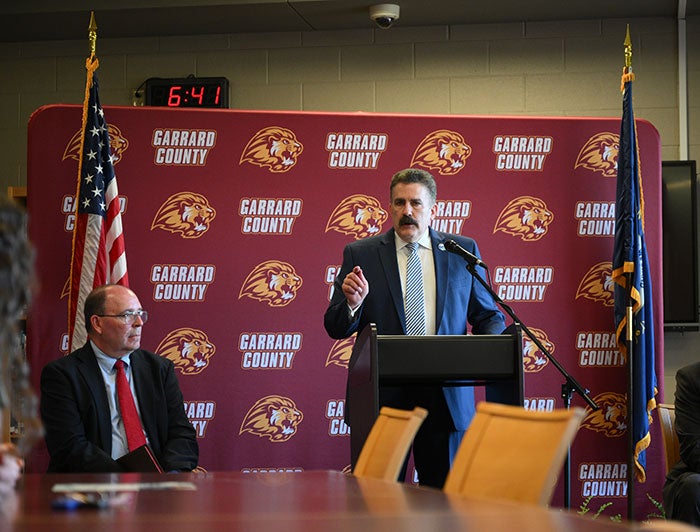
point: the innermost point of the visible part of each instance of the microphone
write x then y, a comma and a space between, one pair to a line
454, 247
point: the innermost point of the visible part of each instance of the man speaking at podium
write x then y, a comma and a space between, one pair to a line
406, 282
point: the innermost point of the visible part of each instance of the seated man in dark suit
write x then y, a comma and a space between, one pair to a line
682, 489
79, 404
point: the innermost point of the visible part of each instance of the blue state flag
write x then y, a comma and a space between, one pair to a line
633, 283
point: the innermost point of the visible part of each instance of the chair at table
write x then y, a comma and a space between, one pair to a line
388, 443
512, 453
667, 418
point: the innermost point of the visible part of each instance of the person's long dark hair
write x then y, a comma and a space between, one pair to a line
16, 284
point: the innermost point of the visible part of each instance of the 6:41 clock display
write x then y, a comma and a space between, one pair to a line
187, 92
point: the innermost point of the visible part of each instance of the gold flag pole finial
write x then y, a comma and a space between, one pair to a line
627, 74
91, 64
92, 34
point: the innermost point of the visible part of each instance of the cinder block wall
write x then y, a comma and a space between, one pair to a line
536, 68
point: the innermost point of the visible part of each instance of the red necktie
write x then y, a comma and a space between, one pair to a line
130, 417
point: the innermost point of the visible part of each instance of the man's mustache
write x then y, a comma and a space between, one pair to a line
407, 220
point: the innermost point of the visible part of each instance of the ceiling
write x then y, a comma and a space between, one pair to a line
46, 20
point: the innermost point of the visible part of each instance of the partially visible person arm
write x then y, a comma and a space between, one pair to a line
64, 422
688, 415
338, 320
180, 450
10, 468
483, 314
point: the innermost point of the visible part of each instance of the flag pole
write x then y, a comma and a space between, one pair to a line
634, 310
91, 64
629, 333
98, 250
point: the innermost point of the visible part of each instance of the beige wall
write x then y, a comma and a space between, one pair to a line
536, 68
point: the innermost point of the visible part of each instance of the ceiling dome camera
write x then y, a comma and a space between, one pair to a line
384, 15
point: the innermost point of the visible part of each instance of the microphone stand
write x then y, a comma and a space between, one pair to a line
570, 385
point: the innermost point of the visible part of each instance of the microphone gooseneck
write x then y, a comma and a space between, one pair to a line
454, 247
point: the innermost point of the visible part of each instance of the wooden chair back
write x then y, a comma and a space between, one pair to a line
667, 418
388, 443
512, 453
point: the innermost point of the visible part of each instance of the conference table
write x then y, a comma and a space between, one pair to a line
306, 501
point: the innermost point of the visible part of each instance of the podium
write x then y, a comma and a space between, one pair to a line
490, 360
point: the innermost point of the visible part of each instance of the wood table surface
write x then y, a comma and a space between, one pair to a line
282, 502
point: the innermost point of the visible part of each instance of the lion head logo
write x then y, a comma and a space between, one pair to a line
273, 282
341, 351
117, 145
600, 154
534, 359
189, 349
273, 417
526, 217
611, 417
187, 213
359, 216
597, 284
443, 151
274, 147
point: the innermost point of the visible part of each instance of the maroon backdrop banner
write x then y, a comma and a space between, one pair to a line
235, 223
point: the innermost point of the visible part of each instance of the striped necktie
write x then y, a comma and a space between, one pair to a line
414, 304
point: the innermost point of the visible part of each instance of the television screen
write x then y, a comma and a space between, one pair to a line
680, 245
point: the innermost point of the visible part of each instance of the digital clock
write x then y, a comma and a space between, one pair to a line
187, 92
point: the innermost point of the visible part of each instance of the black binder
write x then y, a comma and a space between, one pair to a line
140, 460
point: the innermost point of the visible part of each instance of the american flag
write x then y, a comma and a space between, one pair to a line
98, 240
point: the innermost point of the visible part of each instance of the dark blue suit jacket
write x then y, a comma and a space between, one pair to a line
76, 415
460, 299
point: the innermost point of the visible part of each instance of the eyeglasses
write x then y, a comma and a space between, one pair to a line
128, 316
